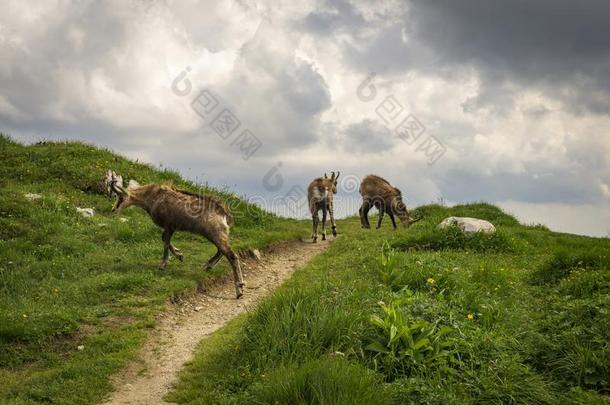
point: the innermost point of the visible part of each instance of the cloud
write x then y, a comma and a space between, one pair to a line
517, 92
367, 136
556, 46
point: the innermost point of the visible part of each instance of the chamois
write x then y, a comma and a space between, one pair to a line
320, 196
179, 210
379, 193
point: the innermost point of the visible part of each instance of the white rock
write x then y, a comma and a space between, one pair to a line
32, 196
468, 225
81, 348
85, 212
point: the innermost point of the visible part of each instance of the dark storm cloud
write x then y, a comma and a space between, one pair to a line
562, 46
368, 136
336, 16
564, 186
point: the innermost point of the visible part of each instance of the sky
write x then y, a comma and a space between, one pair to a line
452, 101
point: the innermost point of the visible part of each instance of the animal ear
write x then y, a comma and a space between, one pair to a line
132, 185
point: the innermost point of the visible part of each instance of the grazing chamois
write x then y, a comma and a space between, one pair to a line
320, 196
180, 210
379, 193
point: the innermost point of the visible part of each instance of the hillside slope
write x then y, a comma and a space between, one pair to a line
77, 295
423, 316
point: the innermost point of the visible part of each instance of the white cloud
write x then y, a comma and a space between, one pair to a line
290, 71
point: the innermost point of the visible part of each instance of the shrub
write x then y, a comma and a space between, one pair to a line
400, 345
564, 262
452, 238
585, 283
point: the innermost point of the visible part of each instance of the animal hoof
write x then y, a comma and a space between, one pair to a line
323, 237
180, 257
334, 233
314, 240
162, 266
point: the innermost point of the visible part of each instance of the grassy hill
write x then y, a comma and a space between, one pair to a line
417, 315
68, 282
423, 316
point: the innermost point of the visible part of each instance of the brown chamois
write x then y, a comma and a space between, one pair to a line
320, 196
179, 210
379, 193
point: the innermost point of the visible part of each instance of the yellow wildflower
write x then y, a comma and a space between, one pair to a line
470, 317
431, 281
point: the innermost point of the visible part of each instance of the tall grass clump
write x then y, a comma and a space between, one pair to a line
328, 380
308, 328
568, 260
452, 238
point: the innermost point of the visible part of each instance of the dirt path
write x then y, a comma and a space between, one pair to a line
179, 330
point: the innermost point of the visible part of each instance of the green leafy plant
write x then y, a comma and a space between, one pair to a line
389, 269
401, 346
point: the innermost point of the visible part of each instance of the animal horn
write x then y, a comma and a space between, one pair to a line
338, 173
325, 175
118, 189
412, 221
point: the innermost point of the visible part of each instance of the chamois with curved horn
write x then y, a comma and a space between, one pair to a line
179, 210
320, 196
379, 193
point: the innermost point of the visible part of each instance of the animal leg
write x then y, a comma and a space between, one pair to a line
324, 212
364, 214
391, 215
316, 220
237, 275
381, 213
213, 261
333, 225
166, 237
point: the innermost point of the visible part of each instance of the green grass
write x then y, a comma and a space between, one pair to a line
423, 316
68, 281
